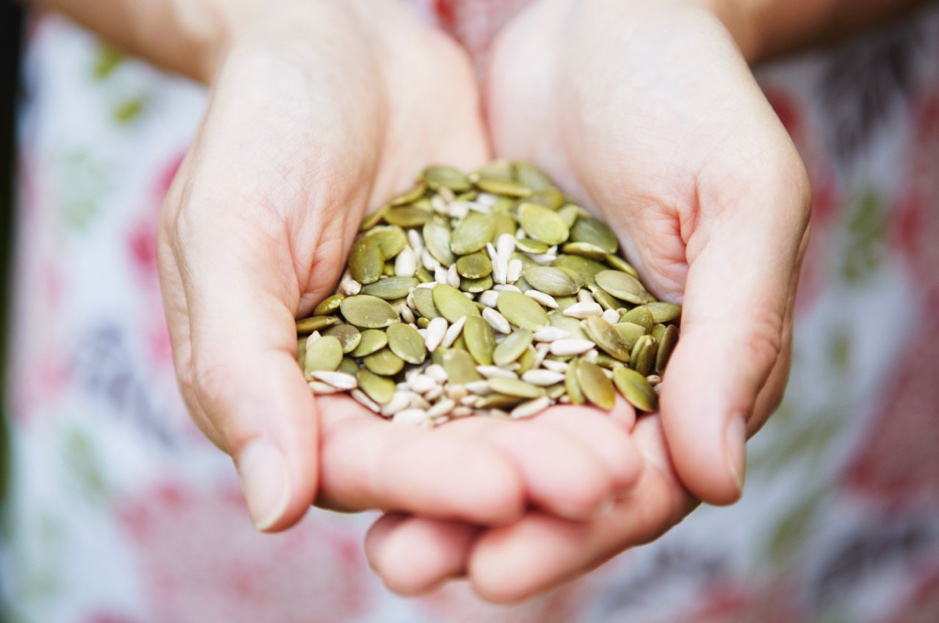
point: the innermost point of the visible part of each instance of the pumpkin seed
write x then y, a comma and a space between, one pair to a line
474, 266
663, 312
410, 196
315, 323
595, 385
437, 177
497, 186
640, 316
554, 281
522, 311
642, 358
515, 387
480, 340
384, 362
585, 267
531, 176
390, 288
437, 240
376, 387
472, 233
476, 286
666, 346
549, 197
348, 336
542, 224
452, 304
619, 263
631, 332
607, 337
636, 389
408, 216
459, 364
512, 347
572, 385
323, 354
366, 261
405, 342
368, 312
329, 305
390, 239
595, 232
623, 286
584, 249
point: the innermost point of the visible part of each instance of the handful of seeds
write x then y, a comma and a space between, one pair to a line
488, 293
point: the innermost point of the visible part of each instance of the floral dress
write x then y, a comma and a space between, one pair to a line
121, 512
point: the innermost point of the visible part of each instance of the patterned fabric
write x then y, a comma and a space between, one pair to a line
120, 511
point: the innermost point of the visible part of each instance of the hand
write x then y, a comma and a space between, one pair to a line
646, 110
319, 110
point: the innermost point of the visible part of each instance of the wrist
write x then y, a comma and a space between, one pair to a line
739, 17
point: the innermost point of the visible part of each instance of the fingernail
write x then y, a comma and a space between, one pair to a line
735, 449
264, 483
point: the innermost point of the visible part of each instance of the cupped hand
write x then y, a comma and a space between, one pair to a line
321, 110
646, 111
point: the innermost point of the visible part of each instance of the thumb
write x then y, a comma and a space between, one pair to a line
730, 366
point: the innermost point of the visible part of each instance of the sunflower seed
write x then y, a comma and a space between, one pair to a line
436, 331
583, 310
570, 346
530, 408
453, 332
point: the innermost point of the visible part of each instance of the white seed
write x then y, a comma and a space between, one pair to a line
365, 401
515, 270
491, 372
440, 275
584, 296
480, 388
489, 298
570, 346
457, 392
437, 372
453, 332
419, 402
429, 285
339, 380
410, 416
530, 408
461, 411
583, 310
654, 379
520, 233
468, 400
545, 299
429, 261
545, 259
497, 321
446, 194
436, 330
506, 288
487, 199
421, 383
505, 246
406, 263
499, 413
555, 366
608, 373
550, 334
458, 209
541, 351
500, 270
591, 356
611, 316
406, 314
542, 378
453, 277
399, 402
443, 407
349, 287
434, 393
491, 250
312, 338
416, 241
319, 387
437, 421
439, 204
565, 399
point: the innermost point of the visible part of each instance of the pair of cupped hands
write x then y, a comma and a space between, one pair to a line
644, 110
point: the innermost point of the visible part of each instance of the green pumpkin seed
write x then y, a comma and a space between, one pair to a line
497, 401
504, 224
542, 224
636, 389
446, 177
373, 219
631, 332
596, 387
472, 233
497, 169
566, 323
570, 213
348, 336
372, 341
585, 267
572, 385
554, 281
474, 266
410, 196
585, 249
391, 288
607, 338
405, 342
329, 305
459, 364
301, 351
549, 197
390, 239
322, 354
315, 323
408, 216
619, 263
664, 312
640, 316
522, 311
642, 358
437, 240
508, 188
527, 361
666, 346
512, 347
531, 176
452, 304
384, 362
623, 286
424, 302
475, 286
530, 245
378, 388
349, 366
480, 340
515, 387
658, 330
366, 261
368, 312
595, 232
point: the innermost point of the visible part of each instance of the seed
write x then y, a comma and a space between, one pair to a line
620, 264
570, 346
474, 266
366, 261
436, 372
480, 340
371, 341
472, 234
642, 358
503, 187
542, 223
437, 242
328, 305
522, 311
405, 342
555, 366
666, 346
636, 389
390, 239
409, 196
530, 408
584, 249
368, 312
384, 362
348, 336
452, 304
348, 365
315, 323
594, 232
497, 321
544, 299
583, 310
623, 286
663, 312
514, 270
406, 263
512, 347
453, 332
530, 176
553, 281
640, 316
597, 388
459, 366
543, 378
446, 177
572, 385
550, 197
413, 417
631, 332
421, 383
322, 388
551, 334
436, 331
364, 400
390, 288
338, 380
323, 354
607, 338
399, 402
492, 372
515, 387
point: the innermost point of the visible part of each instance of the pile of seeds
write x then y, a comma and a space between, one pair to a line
488, 293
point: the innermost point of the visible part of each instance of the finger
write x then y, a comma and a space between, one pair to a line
539, 552
415, 555
742, 259
368, 462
